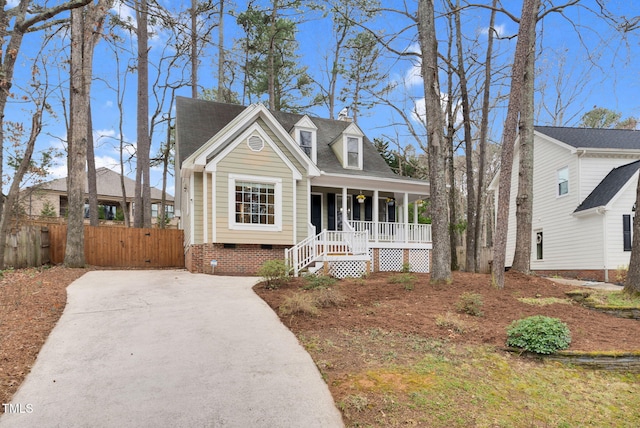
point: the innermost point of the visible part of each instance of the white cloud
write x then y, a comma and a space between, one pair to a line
108, 104
12, 3
500, 30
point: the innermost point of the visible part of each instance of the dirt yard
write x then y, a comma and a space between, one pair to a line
378, 303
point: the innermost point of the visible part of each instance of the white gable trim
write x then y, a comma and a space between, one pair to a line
305, 124
554, 141
198, 159
254, 129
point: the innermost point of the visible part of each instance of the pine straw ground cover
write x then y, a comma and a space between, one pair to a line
31, 302
397, 351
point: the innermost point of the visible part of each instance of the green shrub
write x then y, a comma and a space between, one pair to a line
470, 303
318, 281
539, 334
274, 272
406, 279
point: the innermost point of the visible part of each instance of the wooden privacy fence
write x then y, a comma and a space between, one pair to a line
122, 246
486, 257
27, 246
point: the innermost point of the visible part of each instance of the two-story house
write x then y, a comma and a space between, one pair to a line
254, 185
584, 192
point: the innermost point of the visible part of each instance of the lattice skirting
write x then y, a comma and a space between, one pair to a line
349, 268
390, 259
419, 260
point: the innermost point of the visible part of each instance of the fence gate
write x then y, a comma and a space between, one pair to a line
123, 246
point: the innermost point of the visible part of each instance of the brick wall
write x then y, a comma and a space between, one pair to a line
244, 259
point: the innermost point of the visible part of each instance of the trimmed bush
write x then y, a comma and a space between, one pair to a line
274, 272
539, 334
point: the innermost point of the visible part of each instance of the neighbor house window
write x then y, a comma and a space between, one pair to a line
306, 143
626, 232
155, 210
255, 203
563, 181
539, 243
353, 152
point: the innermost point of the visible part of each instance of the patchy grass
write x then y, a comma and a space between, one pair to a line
613, 299
544, 301
435, 384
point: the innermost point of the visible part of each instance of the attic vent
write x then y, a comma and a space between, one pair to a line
255, 143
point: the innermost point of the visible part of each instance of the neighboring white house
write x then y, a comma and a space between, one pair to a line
254, 185
584, 191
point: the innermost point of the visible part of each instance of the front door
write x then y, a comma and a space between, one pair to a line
316, 212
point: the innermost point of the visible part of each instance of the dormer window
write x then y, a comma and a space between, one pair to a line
306, 142
353, 152
304, 132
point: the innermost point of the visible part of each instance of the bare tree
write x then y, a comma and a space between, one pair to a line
86, 27
441, 263
527, 22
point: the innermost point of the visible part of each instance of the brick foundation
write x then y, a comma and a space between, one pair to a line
244, 259
587, 275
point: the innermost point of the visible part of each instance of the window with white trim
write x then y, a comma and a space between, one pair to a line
563, 181
353, 152
306, 142
255, 203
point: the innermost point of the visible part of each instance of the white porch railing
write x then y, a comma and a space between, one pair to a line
393, 232
326, 244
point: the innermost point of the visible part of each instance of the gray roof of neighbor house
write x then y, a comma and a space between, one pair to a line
609, 186
594, 138
107, 183
198, 120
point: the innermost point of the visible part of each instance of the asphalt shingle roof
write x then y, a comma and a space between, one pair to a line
609, 186
198, 120
107, 184
594, 138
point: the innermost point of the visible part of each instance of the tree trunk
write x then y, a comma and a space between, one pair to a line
194, 49
470, 244
77, 145
441, 260
527, 20
484, 131
271, 57
632, 283
91, 173
524, 199
223, 95
142, 207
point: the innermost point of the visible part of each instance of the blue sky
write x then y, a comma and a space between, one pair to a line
597, 66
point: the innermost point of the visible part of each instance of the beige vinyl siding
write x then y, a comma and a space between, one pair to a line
265, 163
211, 206
197, 209
338, 149
302, 201
283, 148
185, 221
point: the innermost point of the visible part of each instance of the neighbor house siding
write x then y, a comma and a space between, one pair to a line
265, 163
622, 205
594, 169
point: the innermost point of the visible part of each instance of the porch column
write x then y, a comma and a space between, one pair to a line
415, 213
405, 216
375, 217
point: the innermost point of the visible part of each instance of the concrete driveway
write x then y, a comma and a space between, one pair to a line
170, 349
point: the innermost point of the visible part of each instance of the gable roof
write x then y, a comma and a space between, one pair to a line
107, 183
609, 187
594, 138
197, 121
